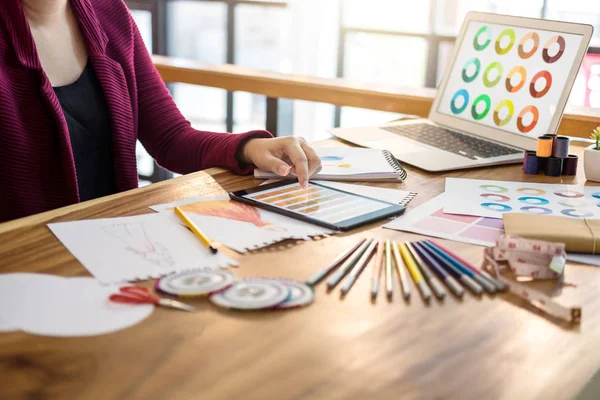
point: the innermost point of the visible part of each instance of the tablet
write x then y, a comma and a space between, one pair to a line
320, 205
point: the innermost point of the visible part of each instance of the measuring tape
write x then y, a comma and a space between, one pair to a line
535, 259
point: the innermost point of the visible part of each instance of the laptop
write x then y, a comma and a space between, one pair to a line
507, 84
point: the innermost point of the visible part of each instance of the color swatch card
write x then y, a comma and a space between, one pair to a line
494, 198
240, 226
429, 219
135, 248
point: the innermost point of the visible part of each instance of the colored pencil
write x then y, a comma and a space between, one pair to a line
460, 275
499, 285
452, 284
415, 273
347, 266
436, 285
322, 273
401, 268
197, 232
488, 286
388, 269
377, 263
358, 268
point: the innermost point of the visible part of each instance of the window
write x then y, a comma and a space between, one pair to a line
397, 42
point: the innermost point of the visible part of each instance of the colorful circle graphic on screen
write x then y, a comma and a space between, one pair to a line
537, 210
536, 94
488, 103
500, 198
536, 43
596, 195
462, 93
574, 203
569, 194
495, 66
496, 207
477, 64
571, 212
538, 201
511, 109
561, 49
532, 191
519, 69
494, 188
511, 37
535, 114
476, 41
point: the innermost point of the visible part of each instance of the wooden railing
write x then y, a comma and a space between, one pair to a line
576, 121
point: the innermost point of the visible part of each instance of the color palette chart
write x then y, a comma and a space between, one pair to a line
509, 78
494, 198
318, 202
429, 219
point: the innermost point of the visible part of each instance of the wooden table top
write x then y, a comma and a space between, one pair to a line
492, 347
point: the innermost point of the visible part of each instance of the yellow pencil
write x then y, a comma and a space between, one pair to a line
401, 271
414, 271
194, 228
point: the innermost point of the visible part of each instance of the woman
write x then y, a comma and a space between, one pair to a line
78, 88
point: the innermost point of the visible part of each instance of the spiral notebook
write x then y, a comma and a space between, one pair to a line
353, 164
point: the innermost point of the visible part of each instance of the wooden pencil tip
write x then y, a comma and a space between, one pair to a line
213, 250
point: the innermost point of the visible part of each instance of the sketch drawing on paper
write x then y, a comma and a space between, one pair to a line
232, 210
136, 239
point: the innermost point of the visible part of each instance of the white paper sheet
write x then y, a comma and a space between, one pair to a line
429, 219
494, 198
135, 248
239, 226
385, 194
5, 327
66, 307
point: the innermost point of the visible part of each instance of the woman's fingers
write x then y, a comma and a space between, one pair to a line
314, 161
296, 153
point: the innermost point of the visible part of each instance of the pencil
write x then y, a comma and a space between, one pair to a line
488, 286
377, 262
414, 272
358, 268
322, 273
194, 228
348, 264
499, 285
464, 278
388, 270
436, 286
402, 276
452, 284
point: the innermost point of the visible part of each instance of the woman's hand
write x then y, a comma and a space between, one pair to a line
283, 156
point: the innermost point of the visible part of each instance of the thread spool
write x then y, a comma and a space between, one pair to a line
570, 165
544, 146
554, 166
561, 147
542, 162
553, 136
530, 163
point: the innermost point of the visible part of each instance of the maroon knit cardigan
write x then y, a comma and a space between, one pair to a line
37, 171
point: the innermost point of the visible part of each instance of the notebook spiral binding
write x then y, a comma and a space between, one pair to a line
408, 198
395, 164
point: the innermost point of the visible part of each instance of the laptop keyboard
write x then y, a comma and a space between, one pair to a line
454, 142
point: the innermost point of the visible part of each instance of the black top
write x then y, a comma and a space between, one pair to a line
88, 120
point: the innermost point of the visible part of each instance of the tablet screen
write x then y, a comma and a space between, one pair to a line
318, 202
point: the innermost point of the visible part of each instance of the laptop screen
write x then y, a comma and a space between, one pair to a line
509, 78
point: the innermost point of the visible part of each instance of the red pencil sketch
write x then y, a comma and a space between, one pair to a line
232, 210
136, 239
